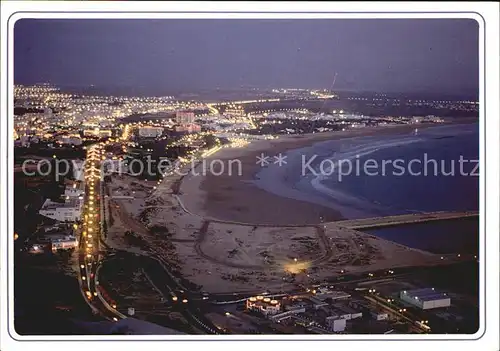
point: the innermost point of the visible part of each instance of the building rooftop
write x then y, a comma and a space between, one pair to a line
426, 294
324, 294
63, 237
52, 205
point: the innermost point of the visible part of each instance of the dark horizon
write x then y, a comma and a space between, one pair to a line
109, 90
160, 57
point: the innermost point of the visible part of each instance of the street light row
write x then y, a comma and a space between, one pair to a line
89, 225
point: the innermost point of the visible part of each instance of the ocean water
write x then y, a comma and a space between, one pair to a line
386, 175
444, 237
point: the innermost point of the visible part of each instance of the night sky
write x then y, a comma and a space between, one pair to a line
438, 55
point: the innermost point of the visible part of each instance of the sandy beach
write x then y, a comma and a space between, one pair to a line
233, 197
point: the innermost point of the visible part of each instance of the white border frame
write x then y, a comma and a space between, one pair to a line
481, 12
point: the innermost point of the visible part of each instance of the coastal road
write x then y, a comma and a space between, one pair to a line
189, 304
89, 254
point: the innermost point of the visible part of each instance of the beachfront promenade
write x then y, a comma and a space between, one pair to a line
379, 222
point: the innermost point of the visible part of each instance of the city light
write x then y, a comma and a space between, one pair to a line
96, 125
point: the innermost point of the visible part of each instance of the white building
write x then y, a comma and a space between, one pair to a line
150, 132
426, 298
64, 243
69, 211
73, 191
336, 325
184, 117
264, 305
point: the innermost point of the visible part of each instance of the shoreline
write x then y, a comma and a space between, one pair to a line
234, 197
